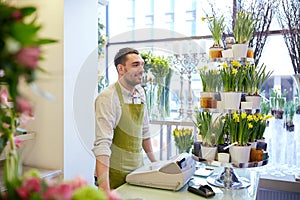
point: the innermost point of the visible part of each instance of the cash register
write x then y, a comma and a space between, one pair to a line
171, 174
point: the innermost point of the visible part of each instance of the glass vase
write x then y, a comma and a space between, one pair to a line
158, 111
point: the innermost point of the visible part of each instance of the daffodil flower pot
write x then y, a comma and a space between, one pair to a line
250, 53
256, 155
290, 127
221, 148
255, 99
240, 154
240, 50
215, 52
231, 100
208, 153
261, 144
228, 53
279, 114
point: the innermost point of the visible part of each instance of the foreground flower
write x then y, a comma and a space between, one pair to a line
28, 57
33, 187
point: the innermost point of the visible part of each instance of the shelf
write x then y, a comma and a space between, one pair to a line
44, 173
27, 136
231, 59
22, 137
217, 110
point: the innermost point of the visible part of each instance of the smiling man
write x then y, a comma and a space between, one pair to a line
122, 127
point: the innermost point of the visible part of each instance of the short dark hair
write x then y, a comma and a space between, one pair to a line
120, 57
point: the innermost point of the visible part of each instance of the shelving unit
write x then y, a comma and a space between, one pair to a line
22, 137
44, 173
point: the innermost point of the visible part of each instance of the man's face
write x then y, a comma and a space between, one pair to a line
133, 70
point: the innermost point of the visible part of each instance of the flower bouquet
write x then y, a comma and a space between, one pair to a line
184, 139
33, 187
158, 73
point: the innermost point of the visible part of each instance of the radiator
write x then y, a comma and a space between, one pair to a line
264, 194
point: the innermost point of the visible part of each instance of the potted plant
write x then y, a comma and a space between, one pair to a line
210, 126
184, 139
232, 81
239, 129
255, 78
290, 112
216, 27
277, 101
243, 31
210, 79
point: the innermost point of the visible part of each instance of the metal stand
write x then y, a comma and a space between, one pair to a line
228, 179
186, 65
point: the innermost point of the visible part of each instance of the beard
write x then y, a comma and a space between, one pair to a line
133, 77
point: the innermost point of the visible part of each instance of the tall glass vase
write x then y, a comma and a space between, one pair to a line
158, 111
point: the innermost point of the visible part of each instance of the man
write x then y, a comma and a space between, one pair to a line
122, 127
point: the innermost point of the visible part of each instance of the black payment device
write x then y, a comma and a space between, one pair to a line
202, 190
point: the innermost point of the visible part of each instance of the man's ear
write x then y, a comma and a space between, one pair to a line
120, 68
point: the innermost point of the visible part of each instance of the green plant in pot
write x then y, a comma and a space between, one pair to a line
211, 84
210, 126
290, 112
239, 129
244, 27
243, 32
210, 79
216, 27
255, 78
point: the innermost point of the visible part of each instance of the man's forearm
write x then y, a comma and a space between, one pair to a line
147, 146
102, 172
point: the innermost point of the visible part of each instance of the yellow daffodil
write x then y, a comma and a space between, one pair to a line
225, 65
250, 125
243, 115
234, 71
236, 63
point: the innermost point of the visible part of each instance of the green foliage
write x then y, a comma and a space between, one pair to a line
216, 27
245, 127
290, 108
210, 127
211, 80
244, 27
184, 139
255, 78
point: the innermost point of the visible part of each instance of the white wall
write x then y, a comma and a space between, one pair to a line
80, 80
46, 150
65, 128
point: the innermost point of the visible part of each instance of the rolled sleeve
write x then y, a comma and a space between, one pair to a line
107, 116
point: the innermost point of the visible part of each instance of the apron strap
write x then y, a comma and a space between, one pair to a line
117, 85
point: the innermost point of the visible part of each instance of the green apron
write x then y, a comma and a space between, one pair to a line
126, 146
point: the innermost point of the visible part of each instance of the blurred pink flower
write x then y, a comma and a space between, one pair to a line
23, 106
28, 57
4, 96
113, 195
17, 15
60, 192
18, 142
24, 119
78, 182
2, 73
29, 186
